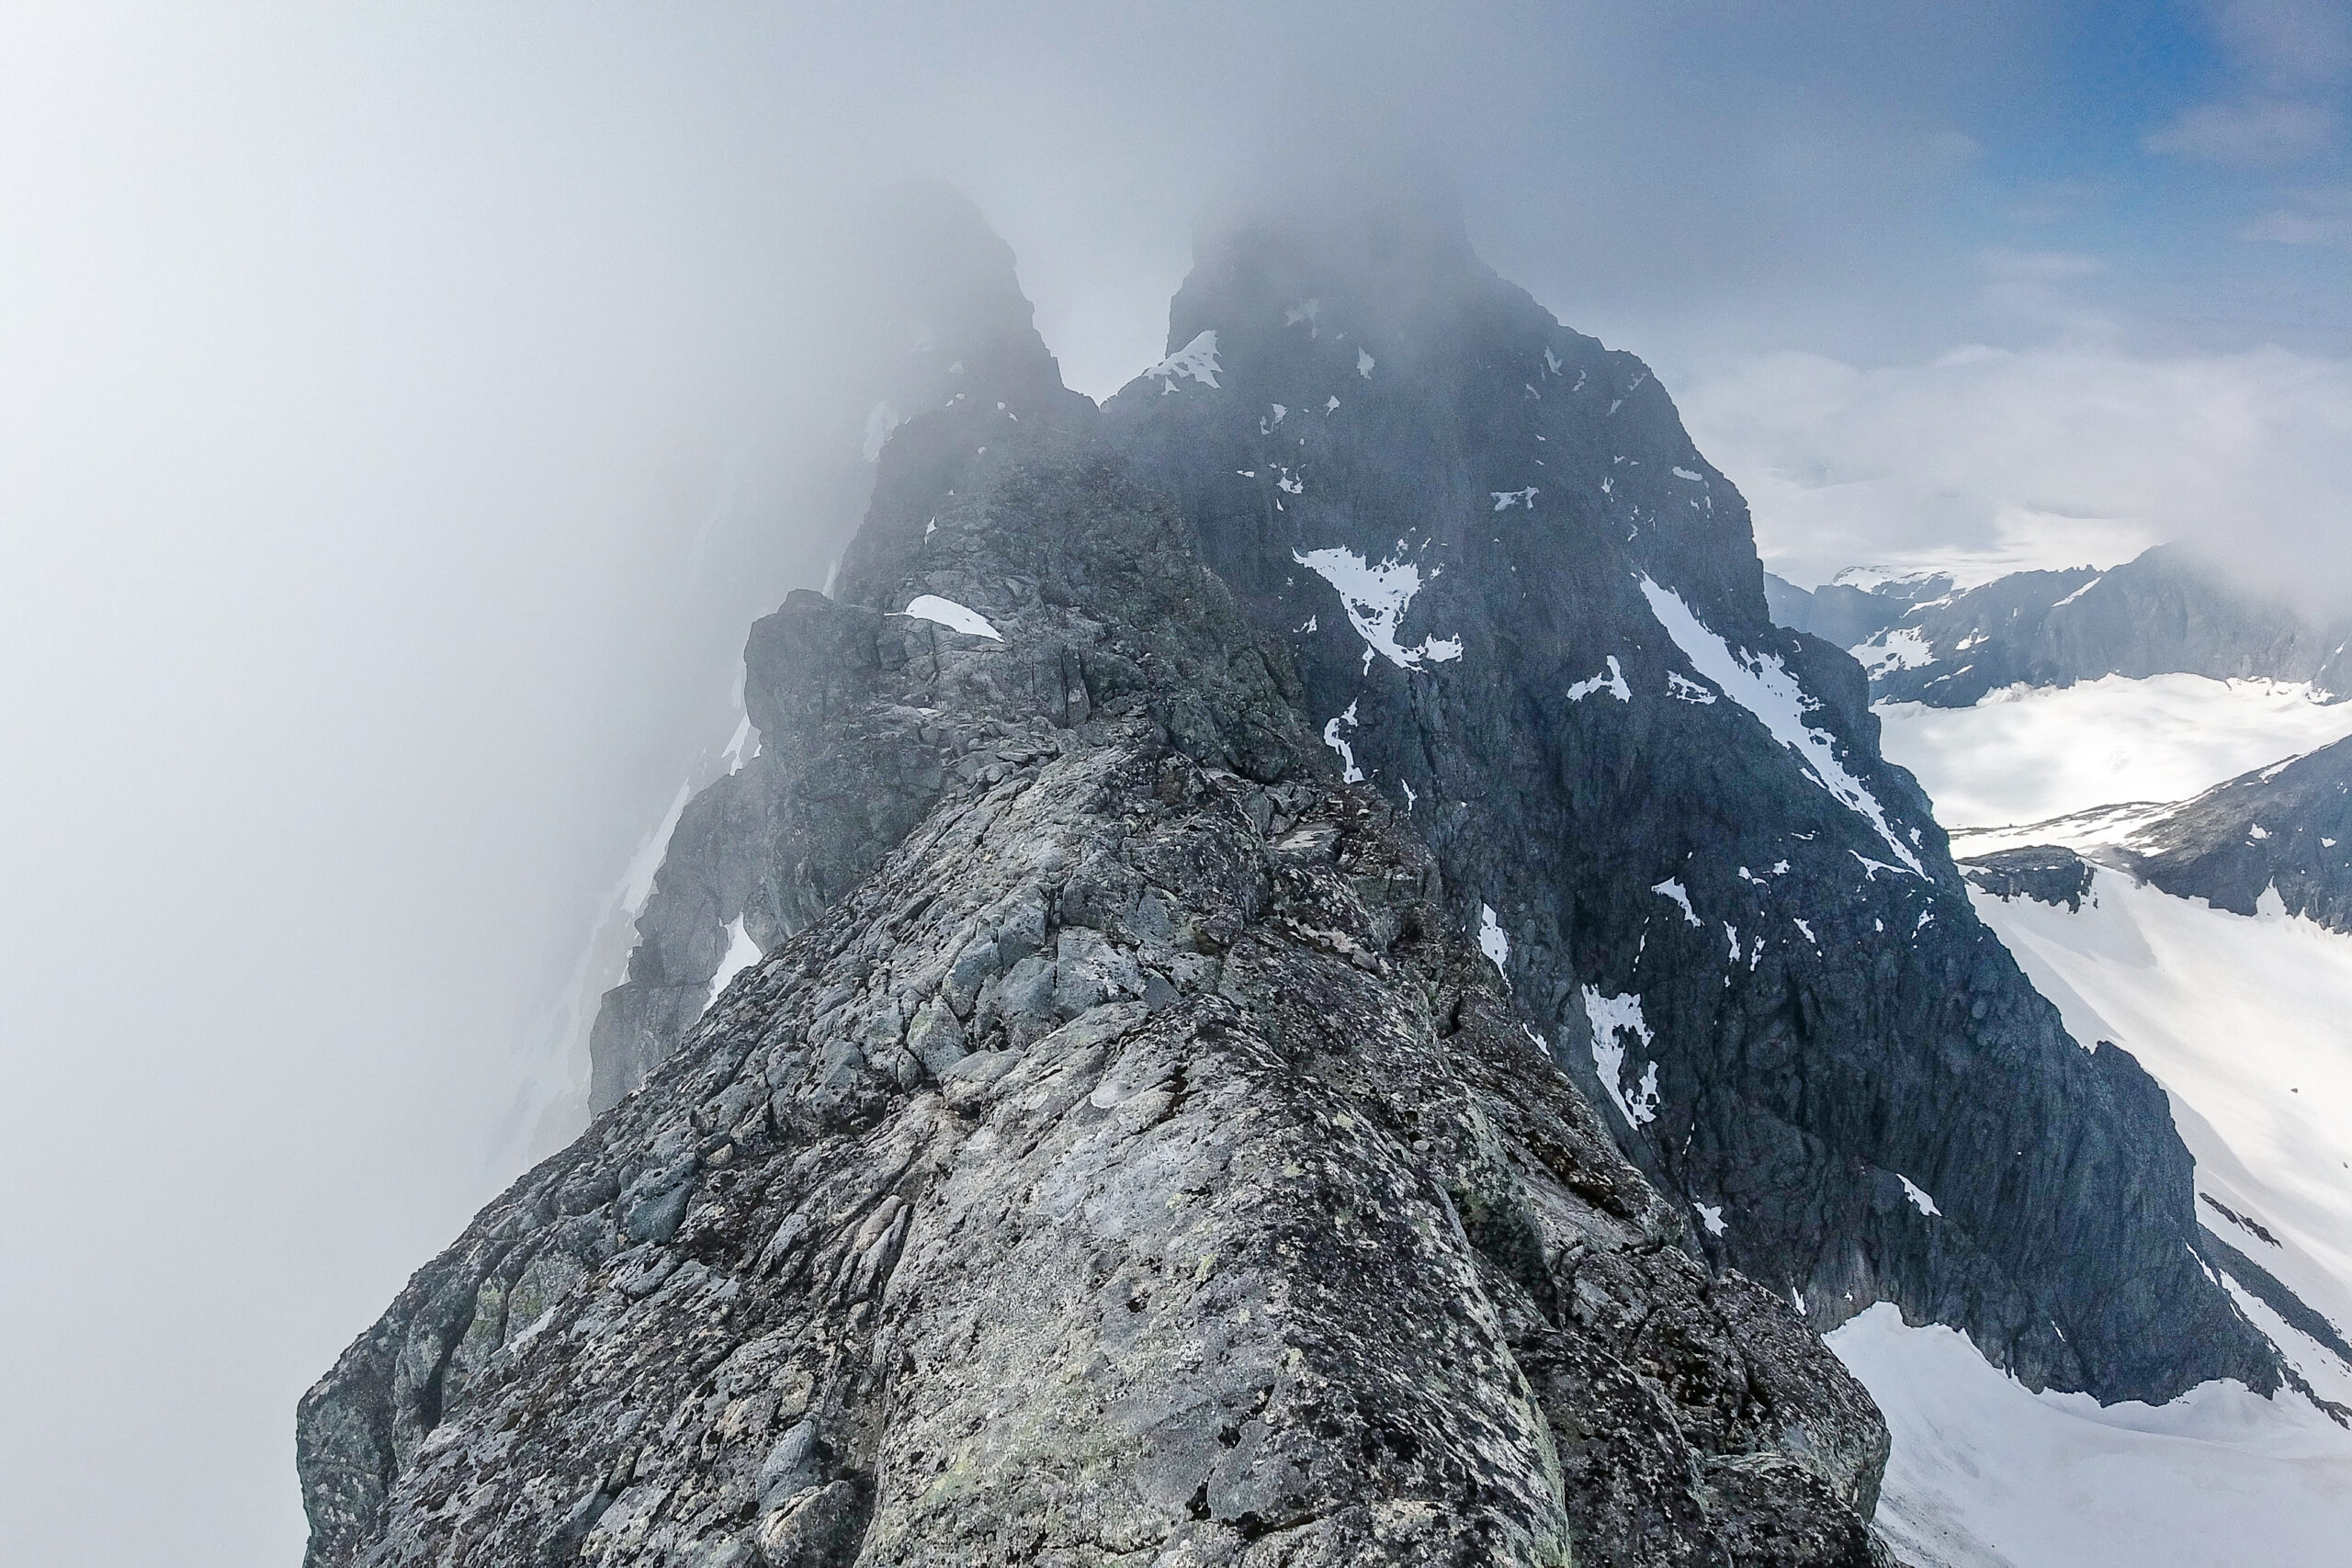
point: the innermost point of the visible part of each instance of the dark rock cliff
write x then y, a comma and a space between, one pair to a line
1834, 611
1119, 1156
1530, 614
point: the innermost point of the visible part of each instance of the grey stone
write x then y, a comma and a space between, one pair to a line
794, 1465
936, 1037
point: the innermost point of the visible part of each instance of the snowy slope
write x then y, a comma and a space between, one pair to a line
2024, 753
1986, 1474
2247, 1022
2244, 1022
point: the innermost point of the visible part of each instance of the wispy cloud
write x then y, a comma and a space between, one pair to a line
2306, 217
2259, 132
2036, 286
2288, 41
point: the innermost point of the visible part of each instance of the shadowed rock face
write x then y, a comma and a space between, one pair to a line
1125, 1158
1530, 614
2283, 831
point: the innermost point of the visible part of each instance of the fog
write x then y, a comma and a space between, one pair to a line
405, 409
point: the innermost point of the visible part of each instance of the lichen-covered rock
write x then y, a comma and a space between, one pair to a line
1125, 1160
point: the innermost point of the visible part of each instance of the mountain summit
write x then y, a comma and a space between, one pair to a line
1330, 990
1529, 613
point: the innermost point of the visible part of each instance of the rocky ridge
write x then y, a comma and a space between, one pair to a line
2279, 838
752, 856
1122, 1158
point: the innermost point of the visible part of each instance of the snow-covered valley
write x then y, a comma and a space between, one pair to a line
2247, 1022
1987, 1473
2025, 754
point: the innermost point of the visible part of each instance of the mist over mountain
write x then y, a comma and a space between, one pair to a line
407, 412
1138, 759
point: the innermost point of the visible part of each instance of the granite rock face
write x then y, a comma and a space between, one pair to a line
1529, 613
1119, 1156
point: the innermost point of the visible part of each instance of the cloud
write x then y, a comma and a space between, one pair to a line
2039, 266
2308, 218
2262, 131
2047, 458
2034, 286
2287, 40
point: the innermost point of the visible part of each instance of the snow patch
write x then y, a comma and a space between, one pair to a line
1613, 682
1349, 772
1986, 1471
1711, 1215
741, 747
1681, 685
1687, 474
1492, 940
1195, 361
636, 882
1507, 499
1375, 598
1918, 1196
953, 617
1612, 1018
741, 954
1672, 888
1898, 647
2078, 593
880, 420
1364, 363
1762, 684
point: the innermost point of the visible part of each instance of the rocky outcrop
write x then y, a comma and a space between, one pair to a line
1528, 614
752, 854
2278, 838
1119, 1156
2166, 612
2049, 874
